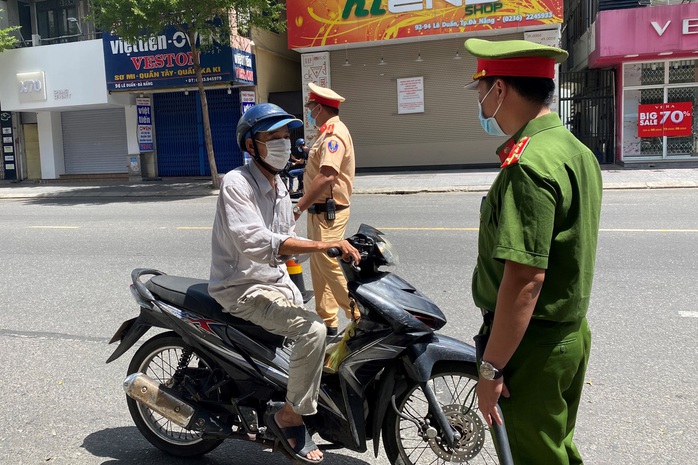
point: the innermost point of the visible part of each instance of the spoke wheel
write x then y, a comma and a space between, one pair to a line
158, 358
414, 437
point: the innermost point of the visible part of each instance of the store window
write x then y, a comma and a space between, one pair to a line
659, 103
57, 21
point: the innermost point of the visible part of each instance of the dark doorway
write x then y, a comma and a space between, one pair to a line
587, 108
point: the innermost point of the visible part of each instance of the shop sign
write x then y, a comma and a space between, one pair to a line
645, 33
162, 62
8, 145
32, 87
337, 22
145, 124
665, 119
244, 65
688, 26
247, 100
410, 95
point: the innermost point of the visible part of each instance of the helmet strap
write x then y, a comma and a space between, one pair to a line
261, 161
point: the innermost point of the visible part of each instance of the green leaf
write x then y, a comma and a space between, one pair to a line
7, 39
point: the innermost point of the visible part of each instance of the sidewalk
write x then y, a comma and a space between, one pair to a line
370, 183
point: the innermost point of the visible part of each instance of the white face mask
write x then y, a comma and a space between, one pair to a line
311, 118
278, 152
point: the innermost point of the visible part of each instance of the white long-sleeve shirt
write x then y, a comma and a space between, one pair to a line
252, 220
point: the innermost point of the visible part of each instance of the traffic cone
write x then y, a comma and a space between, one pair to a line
295, 271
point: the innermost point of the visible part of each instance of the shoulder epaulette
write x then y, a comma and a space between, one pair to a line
516, 152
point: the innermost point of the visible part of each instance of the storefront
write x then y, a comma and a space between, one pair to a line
655, 53
70, 123
401, 66
159, 71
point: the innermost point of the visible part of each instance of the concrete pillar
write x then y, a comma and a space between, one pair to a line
131, 129
50, 144
36, 38
147, 159
132, 142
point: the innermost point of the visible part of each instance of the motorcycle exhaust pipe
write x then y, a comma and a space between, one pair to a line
166, 402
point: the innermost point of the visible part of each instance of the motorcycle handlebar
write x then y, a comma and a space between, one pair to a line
334, 252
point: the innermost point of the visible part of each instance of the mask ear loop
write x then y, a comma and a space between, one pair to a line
498, 106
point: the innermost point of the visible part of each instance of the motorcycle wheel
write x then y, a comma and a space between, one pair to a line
158, 358
454, 386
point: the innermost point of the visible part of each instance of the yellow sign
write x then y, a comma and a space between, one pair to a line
321, 23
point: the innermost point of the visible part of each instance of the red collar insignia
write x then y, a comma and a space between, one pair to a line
506, 150
513, 152
328, 128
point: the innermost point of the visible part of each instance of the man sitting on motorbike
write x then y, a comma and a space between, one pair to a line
299, 157
253, 237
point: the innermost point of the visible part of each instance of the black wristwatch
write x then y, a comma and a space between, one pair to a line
489, 372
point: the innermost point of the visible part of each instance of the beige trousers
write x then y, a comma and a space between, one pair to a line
329, 283
275, 313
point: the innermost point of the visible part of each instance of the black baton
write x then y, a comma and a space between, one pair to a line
501, 441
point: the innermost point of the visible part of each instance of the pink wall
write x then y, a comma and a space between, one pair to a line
646, 32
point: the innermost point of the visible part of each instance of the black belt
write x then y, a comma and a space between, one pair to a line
322, 208
487, 316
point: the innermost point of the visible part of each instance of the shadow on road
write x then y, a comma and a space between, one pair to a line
126, 446
101, 195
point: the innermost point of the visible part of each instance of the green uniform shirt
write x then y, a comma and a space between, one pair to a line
542, 211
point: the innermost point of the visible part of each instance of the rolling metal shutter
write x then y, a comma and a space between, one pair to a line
179, 132
448, 133
94, 141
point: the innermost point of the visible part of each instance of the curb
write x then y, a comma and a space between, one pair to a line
188, 192
483, 188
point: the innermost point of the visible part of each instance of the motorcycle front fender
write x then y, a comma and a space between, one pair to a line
424, 355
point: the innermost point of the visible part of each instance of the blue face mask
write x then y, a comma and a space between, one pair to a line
490, 124
309, 114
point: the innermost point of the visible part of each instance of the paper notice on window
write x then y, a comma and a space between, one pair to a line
410, 95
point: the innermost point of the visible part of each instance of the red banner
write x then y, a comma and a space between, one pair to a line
317, 23
665, 119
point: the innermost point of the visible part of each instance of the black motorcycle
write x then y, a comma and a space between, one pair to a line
213, 377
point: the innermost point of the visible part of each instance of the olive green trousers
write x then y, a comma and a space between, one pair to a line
545, 377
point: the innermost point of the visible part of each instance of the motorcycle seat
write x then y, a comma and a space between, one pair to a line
192, 294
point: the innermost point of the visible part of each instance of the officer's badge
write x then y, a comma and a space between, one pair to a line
333, 146
516, 152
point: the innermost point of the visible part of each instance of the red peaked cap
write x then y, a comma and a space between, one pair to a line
313, 97
513, 58
538, 67
323, 95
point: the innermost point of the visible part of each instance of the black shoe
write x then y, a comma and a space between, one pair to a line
331, 332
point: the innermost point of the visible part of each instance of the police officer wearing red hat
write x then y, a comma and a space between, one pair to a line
328, 184
536, 253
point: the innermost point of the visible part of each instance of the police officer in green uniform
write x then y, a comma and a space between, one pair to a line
536, 252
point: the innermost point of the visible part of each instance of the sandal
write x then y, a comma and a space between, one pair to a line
304, 443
